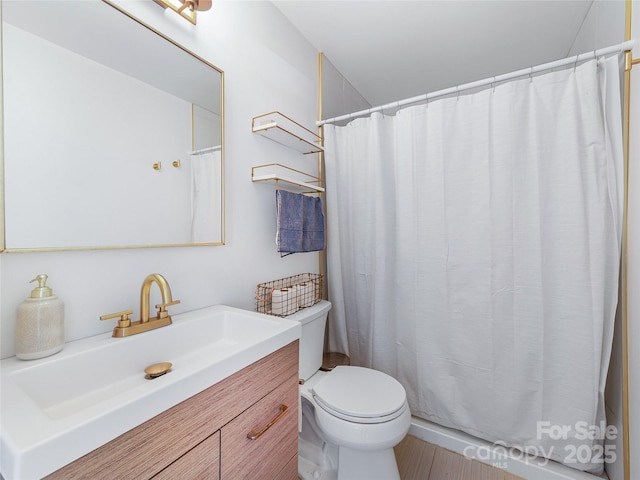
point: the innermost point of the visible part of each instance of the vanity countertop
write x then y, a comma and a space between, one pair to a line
56, 409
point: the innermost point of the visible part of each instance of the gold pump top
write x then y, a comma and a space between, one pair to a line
41, 290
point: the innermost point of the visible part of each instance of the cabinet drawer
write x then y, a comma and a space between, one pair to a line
200, 463
265, 456
290, 471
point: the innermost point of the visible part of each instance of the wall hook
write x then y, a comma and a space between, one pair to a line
176, 163
157, 166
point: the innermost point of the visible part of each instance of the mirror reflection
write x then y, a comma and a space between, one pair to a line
113, 135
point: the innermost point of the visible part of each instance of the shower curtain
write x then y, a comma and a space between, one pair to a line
206, 197
473, 254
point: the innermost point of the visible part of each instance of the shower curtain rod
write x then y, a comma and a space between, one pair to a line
622, 47
205, 150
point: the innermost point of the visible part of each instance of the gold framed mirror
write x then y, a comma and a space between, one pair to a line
113, 133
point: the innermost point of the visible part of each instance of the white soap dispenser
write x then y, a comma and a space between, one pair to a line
40, 323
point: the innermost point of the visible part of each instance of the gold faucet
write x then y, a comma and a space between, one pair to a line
167, 300
126, 327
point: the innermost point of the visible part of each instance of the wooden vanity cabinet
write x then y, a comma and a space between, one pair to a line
201, 462
205, 437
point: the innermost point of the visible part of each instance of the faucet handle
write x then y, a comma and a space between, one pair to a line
162, 308
124, 321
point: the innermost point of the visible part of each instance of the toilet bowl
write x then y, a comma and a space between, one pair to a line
358, 413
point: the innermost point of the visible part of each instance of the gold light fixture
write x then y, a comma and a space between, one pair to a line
186, 8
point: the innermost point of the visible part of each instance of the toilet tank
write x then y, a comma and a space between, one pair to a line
313, 320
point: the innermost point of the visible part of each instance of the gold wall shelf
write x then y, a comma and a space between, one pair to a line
283, 130
290, 176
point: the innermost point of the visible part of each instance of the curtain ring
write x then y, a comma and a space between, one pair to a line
531, 75
493, 84
457, 92
575, 65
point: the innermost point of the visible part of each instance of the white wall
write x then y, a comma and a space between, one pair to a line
602, 27
339, 97
268, 66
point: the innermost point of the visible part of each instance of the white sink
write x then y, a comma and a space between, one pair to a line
56, 409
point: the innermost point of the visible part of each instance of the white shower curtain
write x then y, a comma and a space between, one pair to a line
206, 196
473, 254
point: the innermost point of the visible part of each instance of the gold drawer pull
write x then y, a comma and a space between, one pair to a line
255, 435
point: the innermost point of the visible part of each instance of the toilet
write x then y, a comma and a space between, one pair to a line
352, 417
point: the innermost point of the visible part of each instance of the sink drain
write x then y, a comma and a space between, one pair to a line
157, 370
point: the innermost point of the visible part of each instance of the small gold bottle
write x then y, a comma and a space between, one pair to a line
40, 323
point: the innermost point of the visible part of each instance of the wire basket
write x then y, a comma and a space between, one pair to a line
288, 295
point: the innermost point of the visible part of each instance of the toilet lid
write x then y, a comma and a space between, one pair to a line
360, 394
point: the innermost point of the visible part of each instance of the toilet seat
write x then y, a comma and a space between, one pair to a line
360, 395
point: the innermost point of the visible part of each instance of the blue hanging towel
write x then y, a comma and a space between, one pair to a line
299, 223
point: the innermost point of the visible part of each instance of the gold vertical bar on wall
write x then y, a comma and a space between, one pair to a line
322, 259
320, 129
625, 345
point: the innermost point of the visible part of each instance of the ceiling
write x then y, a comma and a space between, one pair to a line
395, 49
